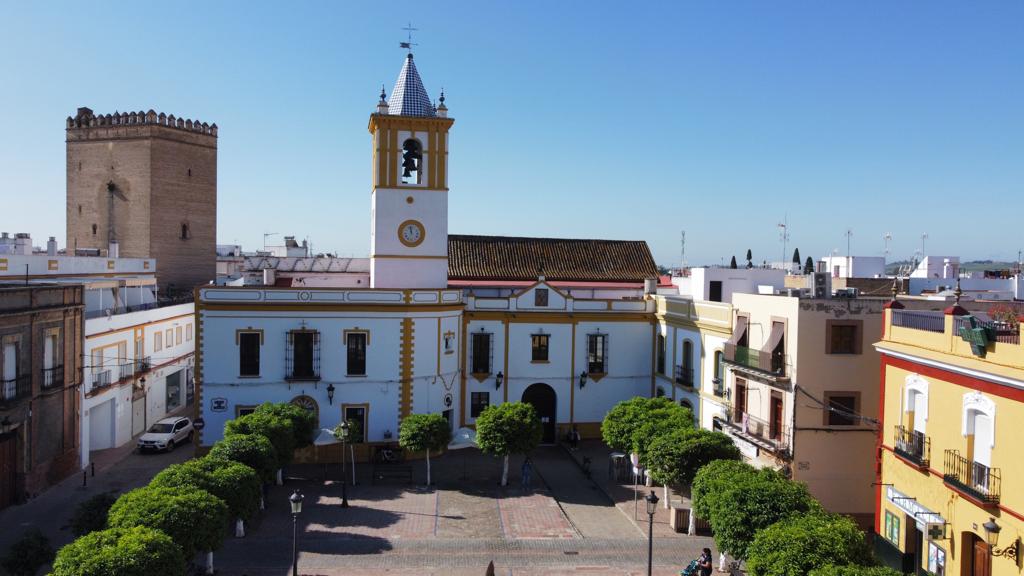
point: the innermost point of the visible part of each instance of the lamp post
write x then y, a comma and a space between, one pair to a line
296, 501
652, 505
344, 439
992, 538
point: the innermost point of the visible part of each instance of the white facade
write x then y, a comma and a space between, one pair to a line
719, 284
937, 267
853, 266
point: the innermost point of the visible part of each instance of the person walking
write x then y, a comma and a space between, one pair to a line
574, 438
525, 472
704, 565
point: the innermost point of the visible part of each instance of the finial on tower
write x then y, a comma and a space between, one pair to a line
408, 44
958, 292
442, 110
382, 106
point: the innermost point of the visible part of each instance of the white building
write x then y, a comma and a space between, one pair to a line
718, 284
853, 266
944, 267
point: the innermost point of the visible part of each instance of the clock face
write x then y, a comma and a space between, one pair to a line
411, 233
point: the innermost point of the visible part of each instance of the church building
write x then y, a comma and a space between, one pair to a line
448, 324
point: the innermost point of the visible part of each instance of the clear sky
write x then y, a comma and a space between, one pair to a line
573, 119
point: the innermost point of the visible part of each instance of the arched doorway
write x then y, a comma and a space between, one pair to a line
544, 402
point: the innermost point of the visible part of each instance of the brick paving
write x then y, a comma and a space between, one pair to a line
533, 515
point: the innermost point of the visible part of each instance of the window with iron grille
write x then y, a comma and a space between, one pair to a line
302, 357
356, 361
597, 353
661, 353
842, 337
539, 347
249, 353
482, 350
478, 401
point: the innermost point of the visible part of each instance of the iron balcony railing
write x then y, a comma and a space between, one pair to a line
1001, 331
102, 379
761, 360
14, 389
972, 478
918, 320
302, 356
143, 365
684, 376
774, 434
913, 445
53, 377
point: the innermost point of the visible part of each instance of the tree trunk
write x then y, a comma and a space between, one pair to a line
428, 466
209, 562
239, 528
691, 529
280, 476
504, 471
263, 503
665, 504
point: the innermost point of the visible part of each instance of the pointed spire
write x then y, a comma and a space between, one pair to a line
409, 97
382, 106
442, 110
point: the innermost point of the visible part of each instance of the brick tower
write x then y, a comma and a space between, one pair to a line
144, 185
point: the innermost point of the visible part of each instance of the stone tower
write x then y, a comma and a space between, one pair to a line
144, 185
409, 229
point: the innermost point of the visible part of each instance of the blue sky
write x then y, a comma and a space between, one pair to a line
573, 119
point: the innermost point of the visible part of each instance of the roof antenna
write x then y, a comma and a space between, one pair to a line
409, 43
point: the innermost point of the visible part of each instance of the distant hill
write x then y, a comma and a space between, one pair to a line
972, 266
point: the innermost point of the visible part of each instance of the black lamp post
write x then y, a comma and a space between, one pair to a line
652, 505
992, 538
330, 394
344, 439
296, 501
583, 379
498, 378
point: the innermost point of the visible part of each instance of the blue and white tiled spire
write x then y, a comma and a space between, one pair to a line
409, 98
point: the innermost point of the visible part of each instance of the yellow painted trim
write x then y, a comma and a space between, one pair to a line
110, 264
52, 265
560, 317
356, 330
3, 264
406, 367
336, 307
249, 330
675, 334
417, 224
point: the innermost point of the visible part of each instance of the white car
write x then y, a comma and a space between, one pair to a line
166, 434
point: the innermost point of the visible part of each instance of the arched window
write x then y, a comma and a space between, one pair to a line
915, 403
719, 375
412, 159
661, 354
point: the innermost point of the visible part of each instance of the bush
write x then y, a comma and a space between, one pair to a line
675, 458
274, 428
419, 432
853, 570
796, 545
138, 551
91, 515
303, 421
238, 485
28, 554
195, 519
711, 481
253, 450
509, 428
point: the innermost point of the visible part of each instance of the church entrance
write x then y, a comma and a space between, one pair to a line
544, 402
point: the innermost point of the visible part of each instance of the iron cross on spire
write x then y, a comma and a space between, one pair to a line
409, 43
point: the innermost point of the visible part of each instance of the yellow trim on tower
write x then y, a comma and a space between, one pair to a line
406, 368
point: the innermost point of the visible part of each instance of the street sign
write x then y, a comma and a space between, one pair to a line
198, 424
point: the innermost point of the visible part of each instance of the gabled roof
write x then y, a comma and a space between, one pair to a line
409, 97
518, 258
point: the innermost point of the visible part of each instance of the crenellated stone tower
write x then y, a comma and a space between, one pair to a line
144, 185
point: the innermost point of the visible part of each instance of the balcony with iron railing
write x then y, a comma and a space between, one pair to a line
142, 366
762, 362
684, 376
14, 389
102, 379
927, 321
1004, 332
913, 446
53, 377
771, 436
974, 479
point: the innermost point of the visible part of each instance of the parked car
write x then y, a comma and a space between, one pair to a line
166, 434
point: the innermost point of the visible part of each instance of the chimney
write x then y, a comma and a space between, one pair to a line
51, 246
23, 244
113, 250
650, 285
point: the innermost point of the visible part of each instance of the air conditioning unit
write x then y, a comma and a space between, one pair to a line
935, 530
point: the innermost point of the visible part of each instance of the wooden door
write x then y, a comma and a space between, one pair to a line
8, 469
138, 416
741, 401
982, 565
775, 424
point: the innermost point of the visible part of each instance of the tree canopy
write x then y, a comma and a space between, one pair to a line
195, 519
419, 432
632, 424
28, 554
91, 515
796, 256
796, 545
676, 457
809, 266
854, 570
275, 428
732, 263
238, 485
303, 421
253, 450
509, 428
138, 551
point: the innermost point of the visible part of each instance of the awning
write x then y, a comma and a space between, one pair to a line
738, 331
778, 331
325, 438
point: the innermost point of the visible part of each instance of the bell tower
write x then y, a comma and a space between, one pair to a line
409, 205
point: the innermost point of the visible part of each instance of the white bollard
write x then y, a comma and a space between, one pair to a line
209, 562
239, 528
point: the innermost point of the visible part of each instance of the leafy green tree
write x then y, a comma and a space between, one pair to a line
796, 545
675, 458
854, 570
28, 554
193, 518
91, 515
238, 485
138, 551
419, 432
809, 266
274, 428
738, 502
732, 263
253, 450
796, 257
509, 428
303, 421
632, 424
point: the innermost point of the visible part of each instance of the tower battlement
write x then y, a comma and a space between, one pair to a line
85, 118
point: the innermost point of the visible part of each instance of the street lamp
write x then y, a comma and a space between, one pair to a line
330, 394
992, 538
652, 505
583, 379
344, 439
296, 502
497, 380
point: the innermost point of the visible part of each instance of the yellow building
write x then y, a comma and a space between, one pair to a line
950, 492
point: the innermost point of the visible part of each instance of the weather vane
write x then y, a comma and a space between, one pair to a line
409, 44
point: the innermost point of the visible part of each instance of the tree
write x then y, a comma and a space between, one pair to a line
193, 518
91, 515
798, 544
274, 428
809, 266
253, 450
138, 551
509, 428
740, 501
675, 458
419, 432
750, 259
732, 263
854, 570
28, 554
238, 485
631, 424
303, 421
796, 257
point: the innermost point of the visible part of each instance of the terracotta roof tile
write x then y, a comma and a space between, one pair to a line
517, 258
